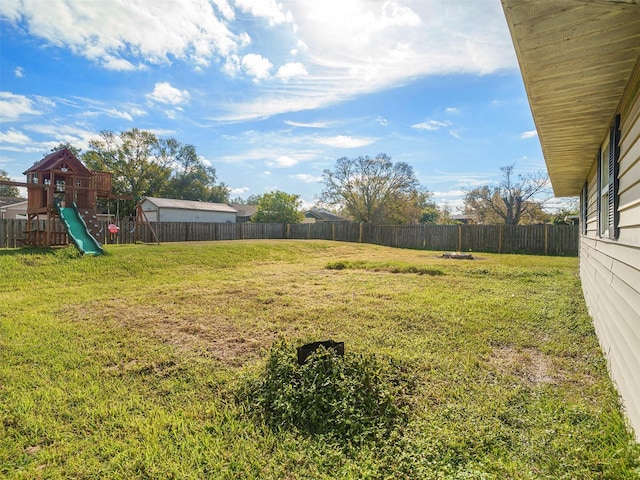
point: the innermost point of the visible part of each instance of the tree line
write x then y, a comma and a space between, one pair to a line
363, 189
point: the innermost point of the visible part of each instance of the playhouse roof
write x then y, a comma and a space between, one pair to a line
55, 159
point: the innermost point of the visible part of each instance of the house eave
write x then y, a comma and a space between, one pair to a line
577, 58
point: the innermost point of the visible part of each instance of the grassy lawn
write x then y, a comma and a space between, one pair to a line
136, 364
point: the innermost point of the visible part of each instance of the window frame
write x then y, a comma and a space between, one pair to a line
584, 208
608, 182
603, 189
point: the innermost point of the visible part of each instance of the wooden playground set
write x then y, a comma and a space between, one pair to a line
62, 203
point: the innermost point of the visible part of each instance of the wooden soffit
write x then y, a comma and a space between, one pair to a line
576, 58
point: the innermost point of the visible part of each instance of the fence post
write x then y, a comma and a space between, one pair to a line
546, 239
459, 238
361, 227
500, 240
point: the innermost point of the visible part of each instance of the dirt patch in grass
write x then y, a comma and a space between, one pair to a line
192, 333
528, 364
536, 368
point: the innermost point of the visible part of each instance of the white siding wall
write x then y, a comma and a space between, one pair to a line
610, 270
182, 215
168, 214
17, 210
150, 211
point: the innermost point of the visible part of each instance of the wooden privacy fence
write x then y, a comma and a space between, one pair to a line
532, 239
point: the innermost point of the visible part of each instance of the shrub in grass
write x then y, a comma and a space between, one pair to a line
354, 398
392, 267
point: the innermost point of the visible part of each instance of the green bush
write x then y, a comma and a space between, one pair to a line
391, 267
354, 398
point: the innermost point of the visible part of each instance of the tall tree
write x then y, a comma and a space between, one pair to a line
278, 207
511, 202
136, 158
7, 190
250, 200
407, 207
431, 213
77, 152
191, 179
373, 190
145, 165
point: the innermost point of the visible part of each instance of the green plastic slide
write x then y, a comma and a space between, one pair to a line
78, 231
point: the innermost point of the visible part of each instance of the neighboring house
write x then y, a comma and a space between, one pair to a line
160, 210
13, 207
319, 216
462, 218
580, 62
244, 212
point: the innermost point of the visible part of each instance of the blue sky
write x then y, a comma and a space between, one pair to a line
272, 92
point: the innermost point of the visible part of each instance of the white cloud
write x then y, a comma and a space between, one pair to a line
15, 137
78, 136
225, 9
283, 161
306, 178
382, 121
345, 141
19, 72
465, 180
343, 48
449, 194
529, 134
256, 66
138, 112
161, 132
431, 125
239, 190
424, 36
206, 162
163, 92
13, 106
291, 70
307, 124
271, 10
118, 64
112, 112
353, 47
452, 110
232, 65
115, 33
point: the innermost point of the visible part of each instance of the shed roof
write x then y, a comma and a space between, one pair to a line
576, 59
15, 206
189, 205
244, 210
6, 201
324, 216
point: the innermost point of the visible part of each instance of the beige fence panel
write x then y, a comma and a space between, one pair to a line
11, 233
